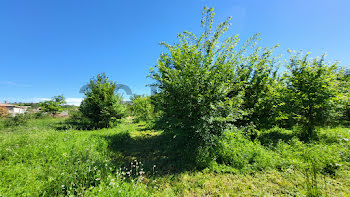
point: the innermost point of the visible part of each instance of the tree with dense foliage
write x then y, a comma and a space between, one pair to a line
101, 105
194, 79
54, 105
257, 77
344, 93
310, 90
204, 85
142, 108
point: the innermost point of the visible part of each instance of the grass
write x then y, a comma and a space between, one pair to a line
43, 158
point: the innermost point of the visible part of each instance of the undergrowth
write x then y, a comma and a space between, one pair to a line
44, 159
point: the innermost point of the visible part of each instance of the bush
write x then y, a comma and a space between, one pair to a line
241, 153
78, 120
19, 119
4, 112
142, 108
101, 105
193, 82
54, 105
36, 115
310, 91
40, 115
344, 94
205, 86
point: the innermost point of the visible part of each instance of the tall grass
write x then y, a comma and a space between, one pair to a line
45, 159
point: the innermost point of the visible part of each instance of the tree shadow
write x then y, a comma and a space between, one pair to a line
160, 154
273, 137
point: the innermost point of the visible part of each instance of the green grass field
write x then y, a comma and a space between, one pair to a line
47, 158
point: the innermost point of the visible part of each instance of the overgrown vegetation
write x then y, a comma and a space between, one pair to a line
206, 86
42, 159
223, 122
195, 79
142, 108
310, 91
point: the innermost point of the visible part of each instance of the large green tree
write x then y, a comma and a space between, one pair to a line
194, 79
102, 105
257, 77
310, 90
206, 84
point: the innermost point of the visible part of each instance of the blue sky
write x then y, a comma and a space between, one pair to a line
54, 47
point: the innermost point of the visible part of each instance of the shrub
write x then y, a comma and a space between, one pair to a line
258, 80
241, 153
54, 105
19, 119
101, 105
142, 108
205, 85
78, 120
4, 112
344, 94
310, 91
40, 115
193, 82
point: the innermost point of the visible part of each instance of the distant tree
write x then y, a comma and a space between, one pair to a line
311, 90
101, 105
54, 105
4, 112
142, 108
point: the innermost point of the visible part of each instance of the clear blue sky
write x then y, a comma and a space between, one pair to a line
54, 47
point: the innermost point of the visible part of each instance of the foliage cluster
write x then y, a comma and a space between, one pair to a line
20, 119
102, 107
194, 80
208, 84
142, 108
310, 91
54, 105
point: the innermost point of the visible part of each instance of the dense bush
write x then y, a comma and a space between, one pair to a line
205, 85
54, 105
19, 119
194, 81
101, 105
78, 120
241, 153
344, 94
257, 79
310, 91
142, 108
4, 112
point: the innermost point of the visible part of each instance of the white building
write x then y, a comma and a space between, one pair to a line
14, 109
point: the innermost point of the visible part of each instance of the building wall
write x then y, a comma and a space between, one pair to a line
15, 110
